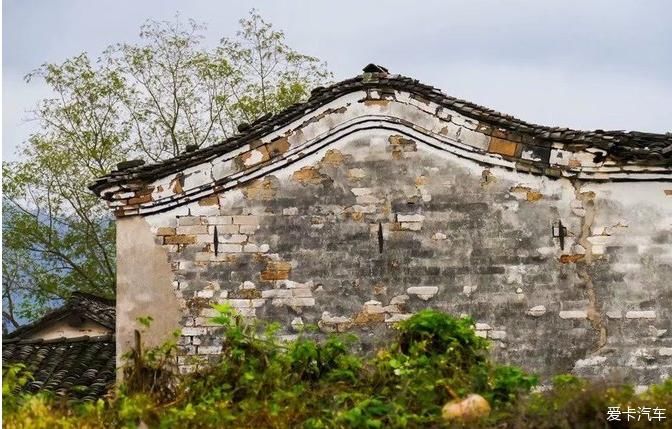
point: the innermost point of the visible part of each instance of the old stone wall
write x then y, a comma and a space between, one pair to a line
562, 275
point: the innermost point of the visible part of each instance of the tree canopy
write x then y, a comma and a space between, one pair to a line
149, 99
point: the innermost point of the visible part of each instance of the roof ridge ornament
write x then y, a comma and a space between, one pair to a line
375, 68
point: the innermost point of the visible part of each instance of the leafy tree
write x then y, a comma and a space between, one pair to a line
150, 99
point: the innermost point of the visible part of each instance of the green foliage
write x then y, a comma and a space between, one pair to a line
146, 100
264, 382
14, 377
508, 382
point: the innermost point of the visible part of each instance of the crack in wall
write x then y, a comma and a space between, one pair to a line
593, 312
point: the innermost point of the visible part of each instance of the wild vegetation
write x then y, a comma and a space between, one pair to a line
263, 382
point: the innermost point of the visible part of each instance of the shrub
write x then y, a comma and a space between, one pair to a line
262, 382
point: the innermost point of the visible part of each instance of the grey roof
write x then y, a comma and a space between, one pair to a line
80, 304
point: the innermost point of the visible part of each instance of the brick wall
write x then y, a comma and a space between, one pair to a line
378, 226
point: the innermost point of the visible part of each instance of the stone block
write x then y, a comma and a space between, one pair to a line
192, 229
205, 238
536, 311
361, 191
276, 293
329, 323
665, 351
497, 335
189, 220
423, 292
246, 220
140, 199
373, 307
179, 239
276, 270
398, 317
248, 229
367, 199
223, 229
194, 331
209, 350
640, 314
208, 312
502, 147
239, 303
165, 230
391, 309
233, 238
219, 220
205, 293
251, 248
300, 302
573, 314
230, 248
399, 300
411, 226
290, 211
410, 218
302, 292
591, 361
246, 285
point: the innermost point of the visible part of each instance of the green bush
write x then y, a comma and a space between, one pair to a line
262, 382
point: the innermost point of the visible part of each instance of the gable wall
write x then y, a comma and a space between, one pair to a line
300, 246
446, 129
63, 329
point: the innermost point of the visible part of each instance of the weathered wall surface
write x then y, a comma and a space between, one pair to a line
143, 287
376, 226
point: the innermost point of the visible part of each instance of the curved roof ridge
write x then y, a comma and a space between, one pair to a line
629, 146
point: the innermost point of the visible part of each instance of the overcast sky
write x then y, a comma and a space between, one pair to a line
581, 64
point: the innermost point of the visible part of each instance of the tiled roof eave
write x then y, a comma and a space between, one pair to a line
647, 149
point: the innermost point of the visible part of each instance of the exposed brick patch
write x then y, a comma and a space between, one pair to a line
265, 189
502, 147
309, 176
403, 144
571, 259
276, 270
212, 200
333, 158
177, 184
141, 199
381, 103
278, 146
165, 230
363, 318
180, 239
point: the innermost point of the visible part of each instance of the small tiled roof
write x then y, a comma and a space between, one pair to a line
646, 149
77, 368
84, 305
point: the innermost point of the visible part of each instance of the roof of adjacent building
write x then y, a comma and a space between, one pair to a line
82, 305
80, 367
633, 147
